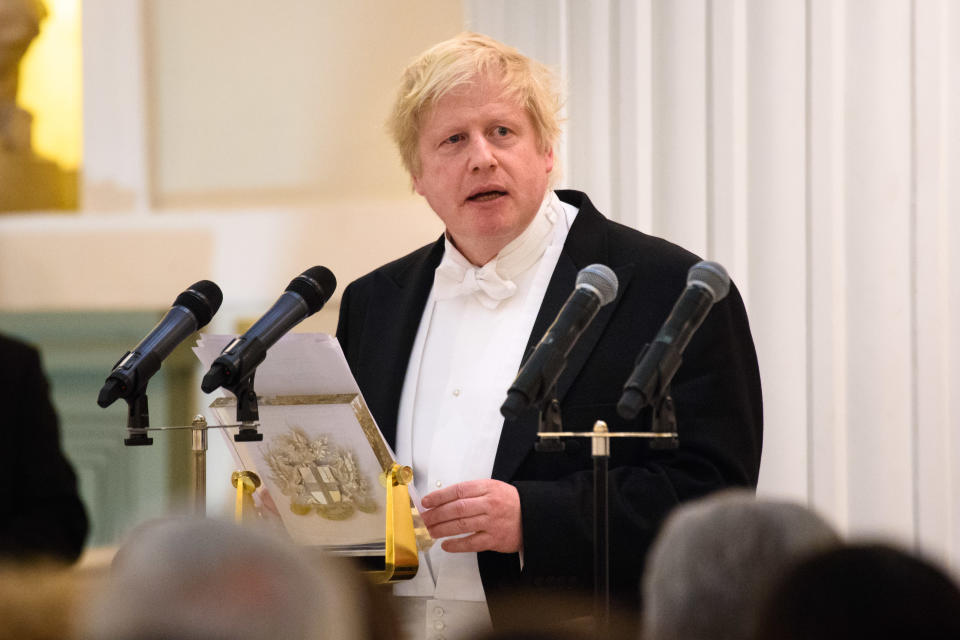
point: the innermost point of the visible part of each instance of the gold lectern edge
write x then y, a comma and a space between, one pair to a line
360, 412
400, 560
279, 401
372, 433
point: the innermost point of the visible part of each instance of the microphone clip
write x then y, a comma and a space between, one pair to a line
664, 420
138, 420
550, 421
247, 410
655, 394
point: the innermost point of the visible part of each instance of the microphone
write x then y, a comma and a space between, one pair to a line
596, 286
191, 310
707, 283
303, 297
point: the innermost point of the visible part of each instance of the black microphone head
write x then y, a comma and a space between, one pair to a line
514, 405
601, 279
112, 389
215, 378
711, 276
202, 299
315, 286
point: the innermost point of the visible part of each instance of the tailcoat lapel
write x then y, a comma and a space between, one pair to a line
586, 244
405, 294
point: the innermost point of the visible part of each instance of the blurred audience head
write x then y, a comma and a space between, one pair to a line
193, 579
574, 633
862, 591
714, 560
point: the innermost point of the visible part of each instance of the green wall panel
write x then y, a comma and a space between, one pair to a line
121, 486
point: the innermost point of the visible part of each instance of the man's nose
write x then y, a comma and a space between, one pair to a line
482, 154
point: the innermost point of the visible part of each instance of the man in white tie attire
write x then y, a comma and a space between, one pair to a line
436, 338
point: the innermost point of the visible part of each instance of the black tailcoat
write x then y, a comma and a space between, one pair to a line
40, 512
716, 393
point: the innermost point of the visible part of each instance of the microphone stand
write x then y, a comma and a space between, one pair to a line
138, 425
198, 428
600, 448
663, 435
248, 416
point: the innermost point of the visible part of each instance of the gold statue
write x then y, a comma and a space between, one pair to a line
27, 181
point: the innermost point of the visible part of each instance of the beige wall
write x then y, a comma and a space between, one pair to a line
281, 100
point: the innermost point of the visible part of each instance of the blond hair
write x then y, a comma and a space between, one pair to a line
459, 61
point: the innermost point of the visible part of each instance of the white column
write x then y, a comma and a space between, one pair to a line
590, 127
727, 138
937, 288
951, 204
679, 122
633, 114
879, 261
827, 447
777, 236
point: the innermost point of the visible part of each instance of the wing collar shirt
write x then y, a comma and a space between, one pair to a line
467, 352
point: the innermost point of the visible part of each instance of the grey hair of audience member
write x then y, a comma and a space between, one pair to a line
712, 563
196, 579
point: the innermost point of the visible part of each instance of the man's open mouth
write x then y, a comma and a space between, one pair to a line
485, 196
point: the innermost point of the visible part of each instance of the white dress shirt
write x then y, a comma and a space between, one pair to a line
467, 352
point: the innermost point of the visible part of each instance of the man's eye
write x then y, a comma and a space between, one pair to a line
502, 131
457, 137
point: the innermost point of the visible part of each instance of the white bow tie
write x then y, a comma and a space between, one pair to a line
484, 283
456, 276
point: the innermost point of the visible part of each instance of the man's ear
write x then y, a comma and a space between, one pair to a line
549, 160
415, 181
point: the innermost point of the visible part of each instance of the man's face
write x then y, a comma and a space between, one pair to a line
481, 168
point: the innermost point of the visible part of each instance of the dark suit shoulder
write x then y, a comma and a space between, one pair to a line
646, 249
399, 270
16, 355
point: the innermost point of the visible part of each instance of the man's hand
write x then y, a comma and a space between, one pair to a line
487, 509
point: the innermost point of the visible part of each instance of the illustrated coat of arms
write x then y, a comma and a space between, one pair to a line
318, 476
